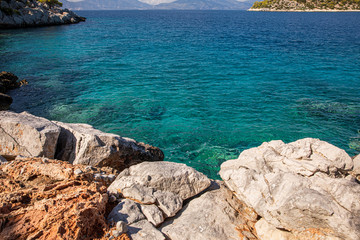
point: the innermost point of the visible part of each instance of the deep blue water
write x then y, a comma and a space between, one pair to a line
201, 85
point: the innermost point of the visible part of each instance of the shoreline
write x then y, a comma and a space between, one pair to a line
293, 10
131, 192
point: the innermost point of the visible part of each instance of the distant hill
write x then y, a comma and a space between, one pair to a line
105, 5
206, 5
306, 5
142, 5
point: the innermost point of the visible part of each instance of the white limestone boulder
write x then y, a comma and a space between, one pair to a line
82, 144
144, 230
298, 185
211, 216
27, 135
127, 211
357, 164
159, 188
163, 176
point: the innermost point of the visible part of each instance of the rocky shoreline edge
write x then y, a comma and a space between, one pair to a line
33, 13
297, 10
71, 181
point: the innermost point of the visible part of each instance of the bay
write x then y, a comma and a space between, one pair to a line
201, 85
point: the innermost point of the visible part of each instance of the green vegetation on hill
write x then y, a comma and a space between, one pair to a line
52, 2
307, 4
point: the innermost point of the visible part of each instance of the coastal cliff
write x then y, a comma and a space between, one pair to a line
306, 5
103, 186
33, 13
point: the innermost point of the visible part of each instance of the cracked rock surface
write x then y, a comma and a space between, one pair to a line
83, 144
44, 199
300, 185
27, 135
215, 215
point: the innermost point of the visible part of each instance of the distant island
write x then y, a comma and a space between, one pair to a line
306, 5
158, 4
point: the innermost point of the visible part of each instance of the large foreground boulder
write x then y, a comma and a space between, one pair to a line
82, 144
150, 192
27, 135
297, 186
139, 181
215, 215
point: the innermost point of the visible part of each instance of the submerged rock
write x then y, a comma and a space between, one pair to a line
5, 102
8, 81
27, 135
297, 186
82, 144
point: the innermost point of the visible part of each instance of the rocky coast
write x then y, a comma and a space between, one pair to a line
71, 181
306, 6
34, 13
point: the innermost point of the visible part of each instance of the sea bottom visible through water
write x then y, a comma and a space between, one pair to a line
201, 85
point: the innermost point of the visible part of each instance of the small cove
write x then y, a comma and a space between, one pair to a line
201, 85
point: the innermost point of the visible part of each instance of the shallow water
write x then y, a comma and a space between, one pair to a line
201, 85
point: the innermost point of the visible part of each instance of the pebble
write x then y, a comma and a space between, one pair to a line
116, 233
78, 171
112, 198
121, 227
248, 235
97, 176
19, 157
2, 160
90, 168
111, 177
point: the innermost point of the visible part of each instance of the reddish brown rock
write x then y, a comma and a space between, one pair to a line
45, 199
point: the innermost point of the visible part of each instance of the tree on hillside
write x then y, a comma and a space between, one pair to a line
52, 3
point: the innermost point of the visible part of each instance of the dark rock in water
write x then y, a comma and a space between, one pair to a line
8, 81
156, 113
32, 13
5, 101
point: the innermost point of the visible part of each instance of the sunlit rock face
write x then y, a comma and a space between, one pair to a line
300, 185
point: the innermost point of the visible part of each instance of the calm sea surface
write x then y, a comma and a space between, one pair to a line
201, 85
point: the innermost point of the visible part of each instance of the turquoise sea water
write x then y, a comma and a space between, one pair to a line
201, 85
